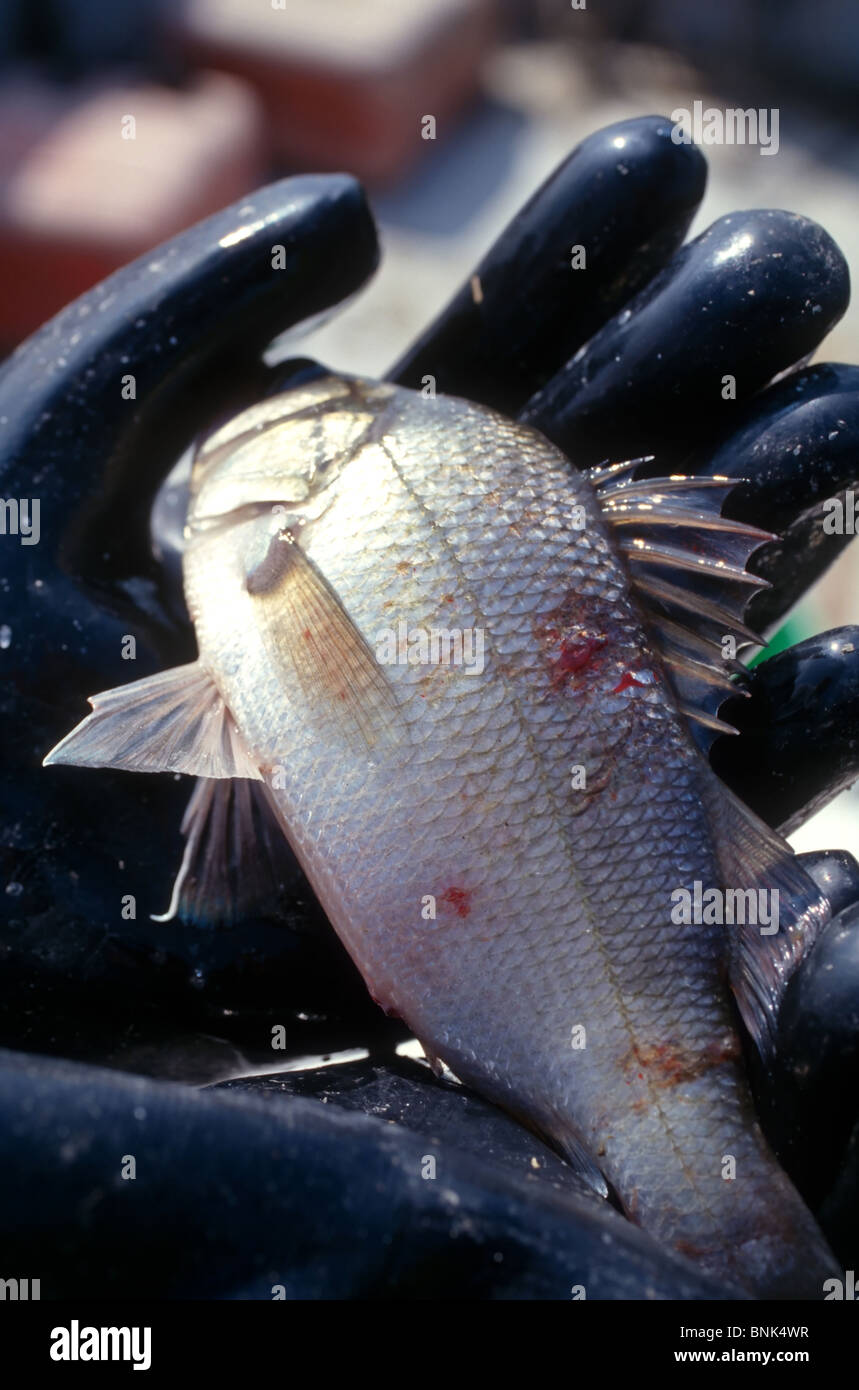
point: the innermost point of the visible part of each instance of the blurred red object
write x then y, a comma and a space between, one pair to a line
90, 180
346, 83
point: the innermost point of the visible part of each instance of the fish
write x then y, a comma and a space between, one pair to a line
472, 688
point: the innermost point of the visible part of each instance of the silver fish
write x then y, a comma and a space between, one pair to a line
457, 676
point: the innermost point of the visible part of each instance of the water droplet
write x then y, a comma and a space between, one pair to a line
5, 636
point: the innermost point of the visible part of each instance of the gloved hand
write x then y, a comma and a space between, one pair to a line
625, 355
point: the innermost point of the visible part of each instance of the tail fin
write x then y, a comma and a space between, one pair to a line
763, 955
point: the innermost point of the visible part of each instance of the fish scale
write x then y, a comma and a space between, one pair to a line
552, 904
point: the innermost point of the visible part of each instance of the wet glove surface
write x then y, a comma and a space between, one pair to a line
626, 360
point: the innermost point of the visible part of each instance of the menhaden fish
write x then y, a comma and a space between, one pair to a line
500, 850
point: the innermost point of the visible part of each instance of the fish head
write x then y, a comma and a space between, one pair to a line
285, 454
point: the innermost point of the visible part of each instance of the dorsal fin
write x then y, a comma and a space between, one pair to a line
687, 564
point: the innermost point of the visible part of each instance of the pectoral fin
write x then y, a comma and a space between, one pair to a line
175, 721
310, 637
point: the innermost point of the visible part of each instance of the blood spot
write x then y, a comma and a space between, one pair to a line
572, 636
690, 1249
575, 656
459, 899
669, 1064
627, 680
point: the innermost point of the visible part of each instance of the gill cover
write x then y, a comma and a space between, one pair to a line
287, 450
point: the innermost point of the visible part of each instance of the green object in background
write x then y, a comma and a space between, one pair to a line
785, 636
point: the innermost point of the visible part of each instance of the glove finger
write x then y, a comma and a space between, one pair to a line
797, 745
750, 297
616, 210
795, 444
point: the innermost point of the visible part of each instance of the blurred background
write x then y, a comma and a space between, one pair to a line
123, 121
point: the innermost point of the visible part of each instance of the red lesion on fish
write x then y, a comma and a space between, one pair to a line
457, 899
669, 1064
575, 656
691, 1250
627, 680
571, 640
